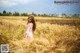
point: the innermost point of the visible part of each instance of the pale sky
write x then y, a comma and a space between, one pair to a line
39, 6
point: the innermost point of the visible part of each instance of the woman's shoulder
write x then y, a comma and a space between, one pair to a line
30, 24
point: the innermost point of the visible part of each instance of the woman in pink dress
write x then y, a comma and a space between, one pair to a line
31, 26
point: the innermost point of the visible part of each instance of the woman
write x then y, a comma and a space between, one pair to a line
31, 26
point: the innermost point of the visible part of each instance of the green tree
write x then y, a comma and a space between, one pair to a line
1, 14
10, 14
24, 14
34, 14
16, 14
75, 15
4, 13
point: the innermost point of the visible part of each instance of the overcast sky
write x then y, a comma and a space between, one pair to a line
39, 6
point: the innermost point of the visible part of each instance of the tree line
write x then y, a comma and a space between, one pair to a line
5, 13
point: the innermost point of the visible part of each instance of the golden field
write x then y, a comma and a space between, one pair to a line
48, 37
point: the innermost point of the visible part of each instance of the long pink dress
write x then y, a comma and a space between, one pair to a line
29, 32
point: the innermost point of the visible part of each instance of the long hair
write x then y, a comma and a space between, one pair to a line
32, 20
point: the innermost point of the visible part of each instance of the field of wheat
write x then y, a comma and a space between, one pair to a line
48, 38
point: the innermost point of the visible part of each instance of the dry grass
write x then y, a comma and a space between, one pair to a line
48, 38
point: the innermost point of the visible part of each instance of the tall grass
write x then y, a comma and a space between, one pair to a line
48, 38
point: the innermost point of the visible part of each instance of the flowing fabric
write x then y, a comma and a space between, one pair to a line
29, 32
